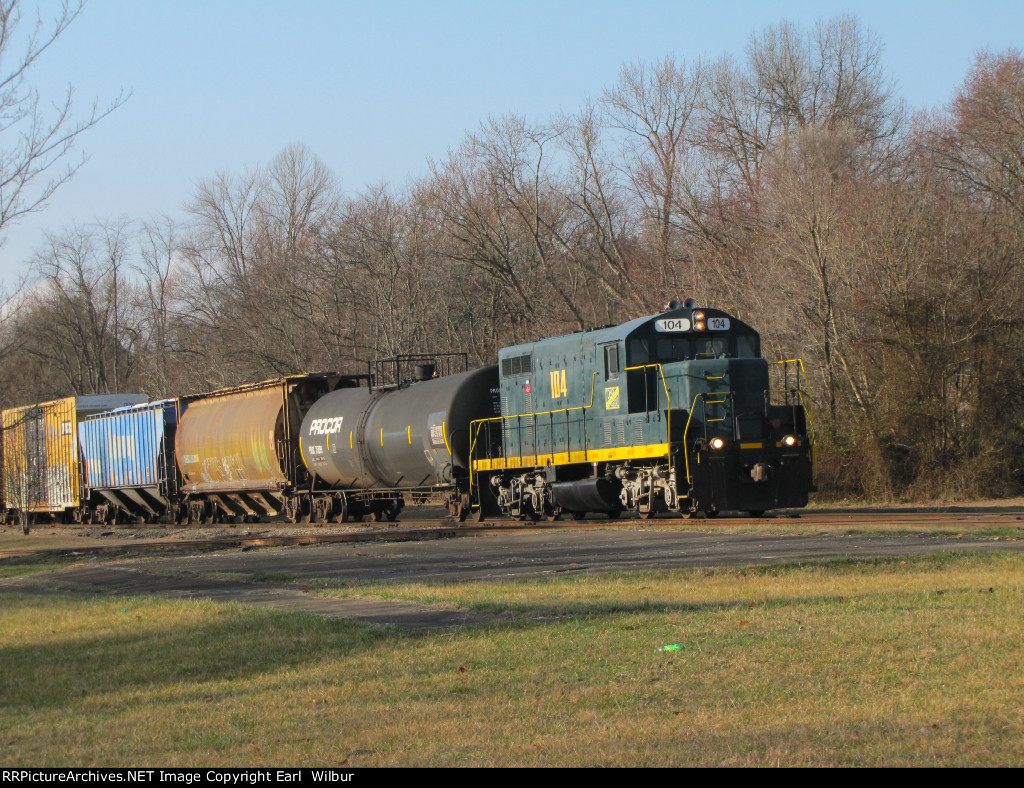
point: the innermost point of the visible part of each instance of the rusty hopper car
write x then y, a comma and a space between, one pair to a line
237, 449
42, 469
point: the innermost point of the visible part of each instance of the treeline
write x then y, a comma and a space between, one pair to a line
789, 186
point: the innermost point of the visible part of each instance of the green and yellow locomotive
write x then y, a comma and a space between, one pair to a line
672, 412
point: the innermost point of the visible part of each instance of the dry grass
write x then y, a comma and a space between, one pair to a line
911, 662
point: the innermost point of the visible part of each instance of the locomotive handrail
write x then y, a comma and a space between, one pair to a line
686, 431
476, 425
808, 406
807, 403
668, 406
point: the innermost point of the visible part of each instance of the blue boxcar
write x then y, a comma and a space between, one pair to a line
129, 460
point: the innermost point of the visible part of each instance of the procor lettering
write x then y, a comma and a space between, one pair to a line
326, 426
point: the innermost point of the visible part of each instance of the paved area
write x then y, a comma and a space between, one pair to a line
254, 576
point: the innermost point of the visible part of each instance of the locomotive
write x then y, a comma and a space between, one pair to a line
672, 412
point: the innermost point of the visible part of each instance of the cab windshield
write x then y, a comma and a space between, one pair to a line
664, 349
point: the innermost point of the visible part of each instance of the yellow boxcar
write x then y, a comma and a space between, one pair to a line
41, 458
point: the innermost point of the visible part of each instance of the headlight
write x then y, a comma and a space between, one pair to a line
789, 440
717, 443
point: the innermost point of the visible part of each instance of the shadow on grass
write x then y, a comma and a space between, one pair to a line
141, 645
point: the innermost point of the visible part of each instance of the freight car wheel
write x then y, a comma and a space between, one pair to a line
339, 510
389, 515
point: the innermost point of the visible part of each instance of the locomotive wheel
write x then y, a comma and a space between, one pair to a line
479, 515
648, 515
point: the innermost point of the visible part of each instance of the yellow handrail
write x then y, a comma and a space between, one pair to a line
807, 403
668, 407
689, 420
808, 406
478, 423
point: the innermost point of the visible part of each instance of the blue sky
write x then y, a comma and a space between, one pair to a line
375, 89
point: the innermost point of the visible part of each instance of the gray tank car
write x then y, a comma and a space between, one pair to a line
379, 448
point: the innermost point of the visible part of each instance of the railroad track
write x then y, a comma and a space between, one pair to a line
444, 529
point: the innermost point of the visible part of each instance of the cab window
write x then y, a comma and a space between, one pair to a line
611, 362
746, 346
639, 352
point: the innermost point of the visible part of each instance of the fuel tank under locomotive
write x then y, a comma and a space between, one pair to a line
415, 436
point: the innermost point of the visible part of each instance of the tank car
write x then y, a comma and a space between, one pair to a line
671, 412
377, 448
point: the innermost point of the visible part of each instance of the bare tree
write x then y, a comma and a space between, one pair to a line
81, 325
830, 77
606, 233
159, 269
981, 142
656, 106
35, 142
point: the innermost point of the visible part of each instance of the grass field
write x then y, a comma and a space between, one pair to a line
890, 662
